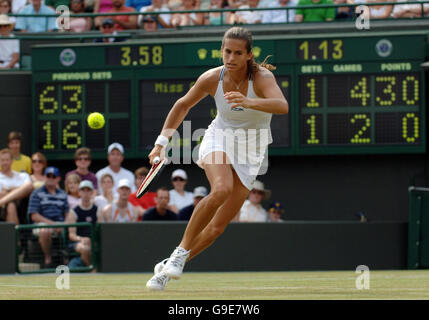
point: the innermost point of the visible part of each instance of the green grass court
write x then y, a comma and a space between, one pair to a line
336, 285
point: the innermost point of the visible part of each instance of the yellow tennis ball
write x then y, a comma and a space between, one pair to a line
96, 120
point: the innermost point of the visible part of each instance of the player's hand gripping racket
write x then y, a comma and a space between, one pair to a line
153, 173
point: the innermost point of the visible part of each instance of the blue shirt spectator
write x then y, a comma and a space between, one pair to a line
186, 212
49, 203
138, 4
153, 214
36, 24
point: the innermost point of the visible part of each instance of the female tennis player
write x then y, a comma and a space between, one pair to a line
246, 96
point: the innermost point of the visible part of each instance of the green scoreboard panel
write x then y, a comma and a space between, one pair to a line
347, 94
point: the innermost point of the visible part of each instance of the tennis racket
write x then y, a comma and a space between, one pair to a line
153, 173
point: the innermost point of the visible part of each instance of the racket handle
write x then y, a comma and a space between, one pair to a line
156, 160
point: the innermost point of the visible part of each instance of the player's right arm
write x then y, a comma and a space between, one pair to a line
205, 85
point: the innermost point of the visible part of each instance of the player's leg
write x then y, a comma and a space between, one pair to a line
224, 215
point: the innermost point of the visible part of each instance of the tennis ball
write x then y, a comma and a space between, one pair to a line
96, 120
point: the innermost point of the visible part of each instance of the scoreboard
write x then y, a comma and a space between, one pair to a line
347, 94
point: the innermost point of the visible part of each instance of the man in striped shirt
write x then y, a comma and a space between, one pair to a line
48, 205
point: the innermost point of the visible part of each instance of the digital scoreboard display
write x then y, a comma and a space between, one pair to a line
346, 94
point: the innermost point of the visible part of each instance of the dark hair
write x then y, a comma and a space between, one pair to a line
42, 157
161, 189
240, 33
143, 171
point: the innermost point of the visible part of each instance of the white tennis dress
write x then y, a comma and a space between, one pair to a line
243, 134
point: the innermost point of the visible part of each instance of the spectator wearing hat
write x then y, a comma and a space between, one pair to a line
5, 9
161, 20
9, 48
148, 199
86, 211
179, 197
115, 157
252, 210
186, 212
48, 205
36, 24
82, 160
107, 28
122, 210
11, 180
275, 211
121, 22
160, 211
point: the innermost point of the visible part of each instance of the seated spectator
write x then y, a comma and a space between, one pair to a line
72, 188
38, 166
122, 210
106, 196
102, 6
37, 177
160, 211
48, 205
115, 157
275, 211
379, 11
9, 48
36, 24
55, 3
252, 210
186, 212
86, 211
316, 14
216, 18
122, 22
251, 16
343, 13
148, 199
79, 24
138, 4
6, 8
410, 10
21, 162
82, 160
161, 20
107, 28
149, 23
280, 16
187, 19
11, 180
179, 197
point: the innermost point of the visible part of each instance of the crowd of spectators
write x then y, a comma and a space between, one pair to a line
31, 192
151, 20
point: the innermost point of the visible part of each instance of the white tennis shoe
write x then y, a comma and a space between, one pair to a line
157, 282
175, 264
160, 266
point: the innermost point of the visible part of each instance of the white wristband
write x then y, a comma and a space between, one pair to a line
162, 141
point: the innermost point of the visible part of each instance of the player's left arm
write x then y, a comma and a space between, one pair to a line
272, 99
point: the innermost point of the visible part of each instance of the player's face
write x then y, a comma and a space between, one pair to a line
235, 55
6, 162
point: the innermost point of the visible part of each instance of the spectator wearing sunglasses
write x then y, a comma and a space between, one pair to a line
82, 160
252, 210
179, 197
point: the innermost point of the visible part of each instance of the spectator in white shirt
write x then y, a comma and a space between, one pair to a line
9, 48
251, 16
179, 197
163, 20
115, 156
252, 210
11, 180
280, 16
